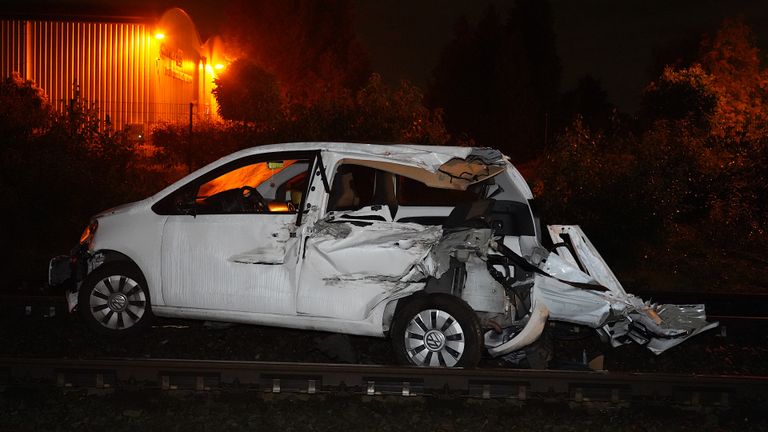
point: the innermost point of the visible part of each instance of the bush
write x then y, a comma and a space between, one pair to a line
57, 169
594, 181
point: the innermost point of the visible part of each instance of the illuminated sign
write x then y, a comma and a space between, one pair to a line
177, 56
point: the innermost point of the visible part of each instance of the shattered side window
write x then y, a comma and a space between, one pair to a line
353, 188
412, 192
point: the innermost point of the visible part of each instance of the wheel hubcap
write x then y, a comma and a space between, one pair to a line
434, 338
117, 302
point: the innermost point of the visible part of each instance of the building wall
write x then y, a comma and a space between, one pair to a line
130, 75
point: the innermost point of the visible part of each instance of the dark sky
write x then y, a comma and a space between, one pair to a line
613, 40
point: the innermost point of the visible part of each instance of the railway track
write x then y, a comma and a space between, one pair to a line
270, 378
379, 381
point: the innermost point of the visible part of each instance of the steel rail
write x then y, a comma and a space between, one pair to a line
370, 380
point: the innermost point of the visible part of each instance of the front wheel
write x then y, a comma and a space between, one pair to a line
114, 300
437, 330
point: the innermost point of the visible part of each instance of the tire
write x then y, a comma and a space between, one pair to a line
114, 300
437, 330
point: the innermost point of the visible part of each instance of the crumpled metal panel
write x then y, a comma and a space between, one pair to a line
348, 269
382, 249
588, 256
499, 344
625, 318
481, 292
576, 305
690, 318
660, 327
459, 244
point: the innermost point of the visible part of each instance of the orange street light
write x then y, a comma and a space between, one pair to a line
159, 36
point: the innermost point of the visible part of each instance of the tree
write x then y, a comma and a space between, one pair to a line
589, 101
739, 80
66, 164
246, 92
586, 178
681, 94
309, 46
376, 112
397, 114
497, 80
24, 109
532, 22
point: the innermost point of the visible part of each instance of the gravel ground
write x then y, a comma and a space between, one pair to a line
743, 349
35, 410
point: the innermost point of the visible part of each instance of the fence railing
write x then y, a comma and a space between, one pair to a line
123, 115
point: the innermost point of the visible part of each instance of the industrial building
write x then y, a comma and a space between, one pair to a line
136, 71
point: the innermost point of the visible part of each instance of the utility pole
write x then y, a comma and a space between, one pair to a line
189, 149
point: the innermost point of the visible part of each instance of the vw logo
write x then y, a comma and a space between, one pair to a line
117, 302
434, 340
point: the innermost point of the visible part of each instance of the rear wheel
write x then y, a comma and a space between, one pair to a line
114, 300
437, 330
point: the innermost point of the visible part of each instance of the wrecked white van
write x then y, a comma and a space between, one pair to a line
434, 247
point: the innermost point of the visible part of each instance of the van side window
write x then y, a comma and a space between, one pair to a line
411, 192
353, 188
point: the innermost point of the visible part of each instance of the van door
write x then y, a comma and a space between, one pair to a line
233, 244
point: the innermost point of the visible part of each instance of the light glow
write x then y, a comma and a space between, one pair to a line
159, 36
250, 175
278, 207
219, 66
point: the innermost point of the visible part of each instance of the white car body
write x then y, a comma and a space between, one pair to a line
321, 268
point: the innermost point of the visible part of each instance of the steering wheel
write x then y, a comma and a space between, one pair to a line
252, 200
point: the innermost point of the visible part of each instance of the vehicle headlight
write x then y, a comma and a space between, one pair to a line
90, 230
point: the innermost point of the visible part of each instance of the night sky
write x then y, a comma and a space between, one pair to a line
613, 41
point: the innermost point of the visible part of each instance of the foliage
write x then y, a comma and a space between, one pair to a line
376, 112
692, 172
588, 101
210, 141
64, 168
24, 109
681, 94
740, 82
497, 80
676, 179
309, 46
590, 179
396, 114
247, 92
